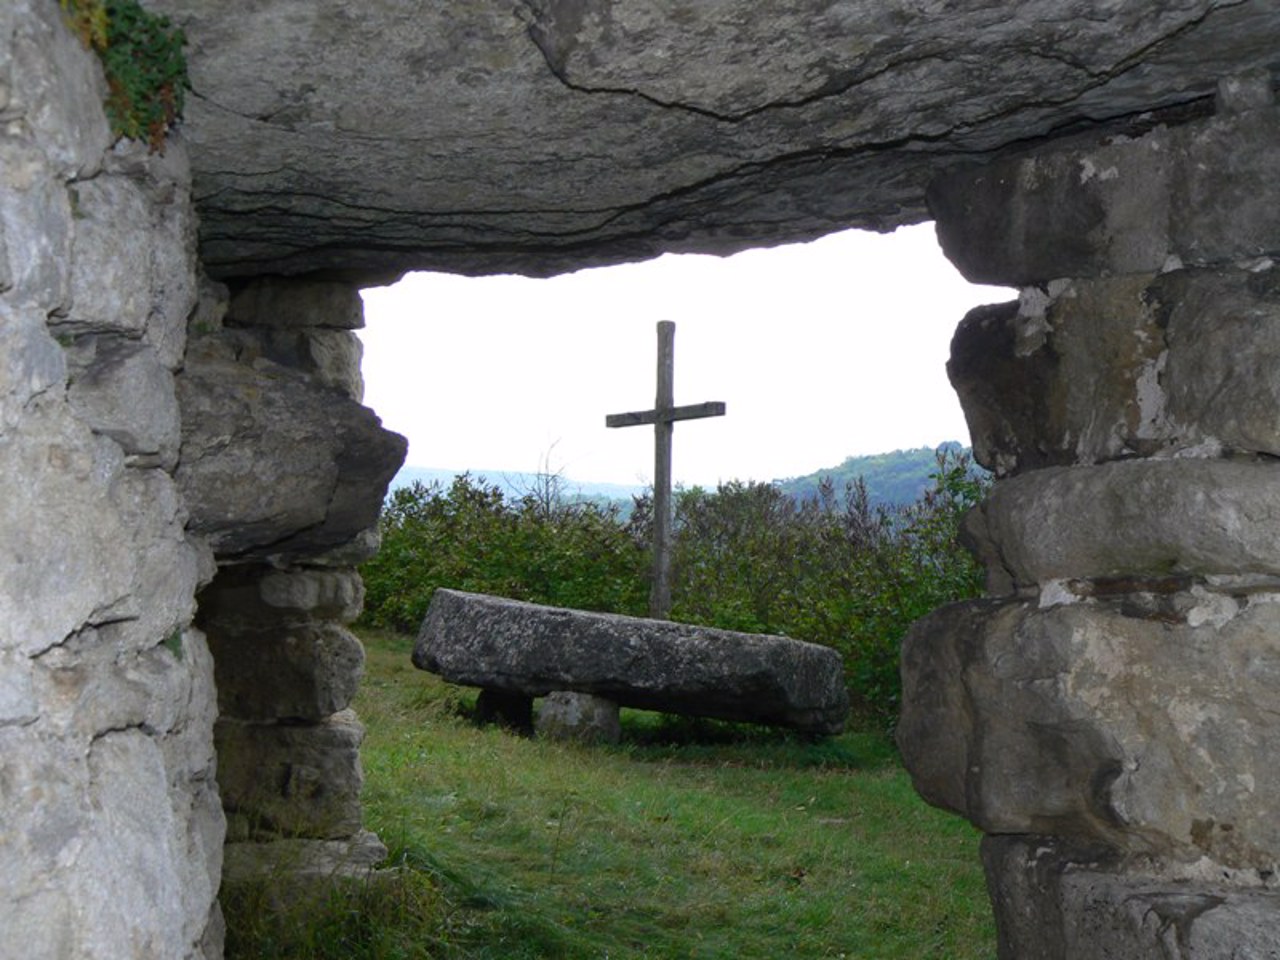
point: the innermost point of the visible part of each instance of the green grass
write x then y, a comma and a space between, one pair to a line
690, 839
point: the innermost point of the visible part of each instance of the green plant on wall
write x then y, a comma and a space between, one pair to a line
142, 58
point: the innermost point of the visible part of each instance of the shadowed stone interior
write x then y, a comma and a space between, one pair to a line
180, 420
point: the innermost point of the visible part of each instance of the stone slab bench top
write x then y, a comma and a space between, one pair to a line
523, 648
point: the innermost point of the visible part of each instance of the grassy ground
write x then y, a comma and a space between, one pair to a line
688, 840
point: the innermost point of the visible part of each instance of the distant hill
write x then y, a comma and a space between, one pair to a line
892, 478
515, 484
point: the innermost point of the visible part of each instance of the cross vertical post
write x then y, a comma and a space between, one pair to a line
663, 429
663, 417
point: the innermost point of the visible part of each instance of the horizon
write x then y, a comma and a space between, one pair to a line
491, 475
821, 351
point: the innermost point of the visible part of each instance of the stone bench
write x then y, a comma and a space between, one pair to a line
517, 651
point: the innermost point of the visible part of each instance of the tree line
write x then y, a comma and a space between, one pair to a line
833, 568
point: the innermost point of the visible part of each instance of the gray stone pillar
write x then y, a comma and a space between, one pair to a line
286, 473
1109, 717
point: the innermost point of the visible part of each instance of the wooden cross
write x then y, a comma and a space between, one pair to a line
663, 417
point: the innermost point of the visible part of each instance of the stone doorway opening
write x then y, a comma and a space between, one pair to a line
822, 351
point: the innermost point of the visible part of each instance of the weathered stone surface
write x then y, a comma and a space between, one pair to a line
1089, 371
1086, 522
247, 598
31, 361
327, 594
110, 825
65, 556
111, 256
273, 465
286, 862
330, 357
1061, 380
291, 779
136, 800
565, 715
304, 672
47, 79
1197, 194
35, 229
289, 303
547, 136
1050, 906
1103, 722
1222, 376
123, 391
533, 650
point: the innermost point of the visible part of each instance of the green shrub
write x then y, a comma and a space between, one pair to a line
469, 537
833, 570
142, 59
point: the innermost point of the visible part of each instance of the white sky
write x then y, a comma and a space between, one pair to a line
820, 351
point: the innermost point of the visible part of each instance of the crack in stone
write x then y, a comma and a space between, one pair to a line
835, 88
832, 88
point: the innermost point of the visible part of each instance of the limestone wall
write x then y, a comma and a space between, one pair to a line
1109, 717
110, 827
189, 479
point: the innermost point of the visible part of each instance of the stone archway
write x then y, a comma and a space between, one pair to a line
1126, 399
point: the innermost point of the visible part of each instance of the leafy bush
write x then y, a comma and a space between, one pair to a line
142, 59
832, 569
539, 548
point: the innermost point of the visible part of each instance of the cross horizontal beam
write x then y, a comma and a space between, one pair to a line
693, 411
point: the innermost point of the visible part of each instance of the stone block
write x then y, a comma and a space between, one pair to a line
1053, 905
55, 85
330, 357
252, 599
306, 672
1221, 380
300, 861
324, 594
273, 465
121, 390
94, 683
291, 779
1072, 210
173, 282
1132, 518
35, 230
66, 557
532, 650
166, 565
297, 302
1200, 194
1089, 371
1102, 721
110, 257
1225, 206
1071, 378
31, 361
565, 715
